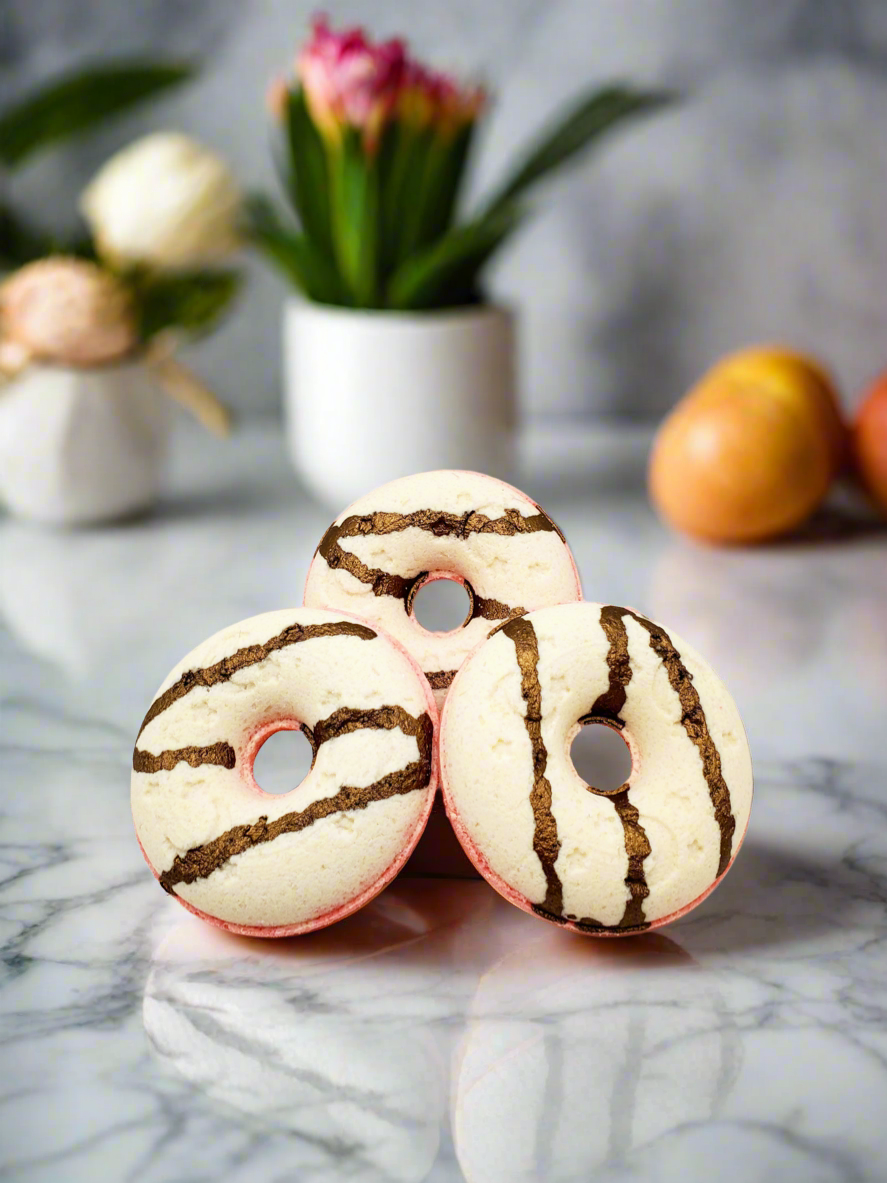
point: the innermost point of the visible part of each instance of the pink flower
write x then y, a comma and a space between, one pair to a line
350, 81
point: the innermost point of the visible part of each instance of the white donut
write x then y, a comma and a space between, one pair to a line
275, 865
506, 551
604, 864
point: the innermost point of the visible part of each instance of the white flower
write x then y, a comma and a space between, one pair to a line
163, 202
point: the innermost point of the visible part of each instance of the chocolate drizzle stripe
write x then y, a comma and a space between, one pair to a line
609, 704
501, 627
637, 847
441, 679
218, 753
606, 710
492, 609
542, 911
441, 524
225, 669
589, 925
545, 837
203, 860
340, 722
696, 726
347, 719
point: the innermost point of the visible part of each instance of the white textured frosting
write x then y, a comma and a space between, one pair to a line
301, 875
488, 776
522, 570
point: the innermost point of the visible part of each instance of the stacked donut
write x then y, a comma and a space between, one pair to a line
531, 664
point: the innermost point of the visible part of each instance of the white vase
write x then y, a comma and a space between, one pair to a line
79, 446
371, 396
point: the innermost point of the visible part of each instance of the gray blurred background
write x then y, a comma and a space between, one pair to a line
753, 211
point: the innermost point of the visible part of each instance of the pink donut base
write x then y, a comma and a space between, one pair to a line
520, 901
247, 757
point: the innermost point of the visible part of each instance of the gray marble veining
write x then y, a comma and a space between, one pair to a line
439, 1035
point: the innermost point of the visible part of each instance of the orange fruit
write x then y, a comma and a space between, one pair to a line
738, 464
791, 377
870, 441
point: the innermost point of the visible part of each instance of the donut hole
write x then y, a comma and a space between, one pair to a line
441, 605
601, 757
282, 762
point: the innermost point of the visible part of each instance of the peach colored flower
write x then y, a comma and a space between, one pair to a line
68, 311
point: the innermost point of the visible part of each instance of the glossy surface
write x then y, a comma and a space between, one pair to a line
440, 1034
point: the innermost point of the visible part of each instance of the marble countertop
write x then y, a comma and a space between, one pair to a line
439, 1034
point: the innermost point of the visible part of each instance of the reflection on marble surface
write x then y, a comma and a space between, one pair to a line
329, 1041
439, 1035
588, 1057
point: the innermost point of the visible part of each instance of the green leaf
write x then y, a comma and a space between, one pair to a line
591, 118
293, 253
420, 176
402, 158
445, 274
444, 174
355, 205
21, 242
308, 173
192, 301
77, 102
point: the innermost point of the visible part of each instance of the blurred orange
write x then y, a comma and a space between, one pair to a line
870, 441
785, 374
750, 452
739, 468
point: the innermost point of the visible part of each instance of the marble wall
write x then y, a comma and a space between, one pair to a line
752, 210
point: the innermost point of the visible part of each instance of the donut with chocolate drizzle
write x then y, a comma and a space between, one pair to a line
277, 865
601, 861
505, 551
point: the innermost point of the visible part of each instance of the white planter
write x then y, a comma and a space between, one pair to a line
80, 446
371, 396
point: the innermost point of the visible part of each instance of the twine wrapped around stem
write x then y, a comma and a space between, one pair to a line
184, 387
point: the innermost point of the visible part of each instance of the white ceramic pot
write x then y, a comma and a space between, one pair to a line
371, 396
79, 446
